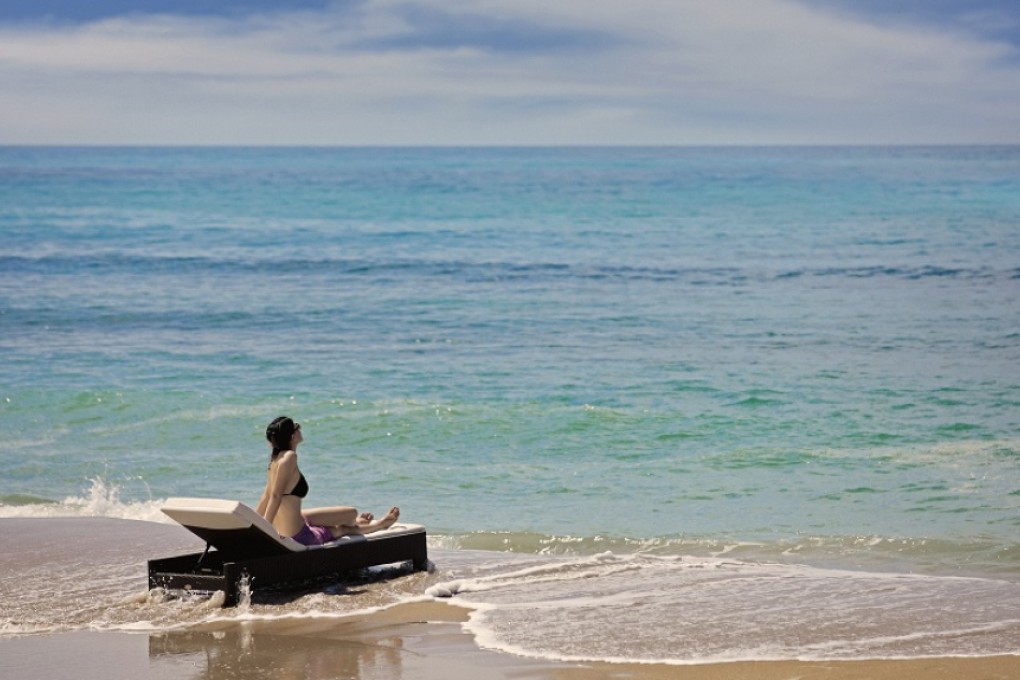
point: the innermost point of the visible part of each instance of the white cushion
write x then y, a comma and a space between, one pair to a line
227, 515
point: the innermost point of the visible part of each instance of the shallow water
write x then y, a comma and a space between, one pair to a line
89, 574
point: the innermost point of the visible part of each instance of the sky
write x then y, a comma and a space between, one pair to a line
509, 72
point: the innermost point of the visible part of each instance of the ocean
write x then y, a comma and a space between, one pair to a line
748, 403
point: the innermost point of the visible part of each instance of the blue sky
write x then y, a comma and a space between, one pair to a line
326, 72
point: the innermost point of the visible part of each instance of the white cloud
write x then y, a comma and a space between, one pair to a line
645, 71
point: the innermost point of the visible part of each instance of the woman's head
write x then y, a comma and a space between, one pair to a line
280, 434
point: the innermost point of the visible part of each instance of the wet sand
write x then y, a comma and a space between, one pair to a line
992, 668
420, 641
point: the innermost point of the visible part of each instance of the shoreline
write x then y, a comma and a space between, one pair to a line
422, 640
76, 574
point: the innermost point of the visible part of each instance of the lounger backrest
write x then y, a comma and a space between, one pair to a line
231, 527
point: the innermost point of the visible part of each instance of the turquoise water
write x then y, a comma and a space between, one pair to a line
792, 354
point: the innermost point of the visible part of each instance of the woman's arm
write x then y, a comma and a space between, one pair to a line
279, 475
264, 501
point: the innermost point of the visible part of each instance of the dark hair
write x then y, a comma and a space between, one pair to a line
279, 433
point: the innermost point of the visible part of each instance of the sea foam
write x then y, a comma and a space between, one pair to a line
101, 499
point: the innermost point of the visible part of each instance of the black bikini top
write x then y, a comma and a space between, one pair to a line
300, 489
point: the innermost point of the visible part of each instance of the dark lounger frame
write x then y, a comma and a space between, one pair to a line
245, 554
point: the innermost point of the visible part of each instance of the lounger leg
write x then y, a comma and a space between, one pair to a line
420, 558
232, 585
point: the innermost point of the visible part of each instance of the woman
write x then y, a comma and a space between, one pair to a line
286, 486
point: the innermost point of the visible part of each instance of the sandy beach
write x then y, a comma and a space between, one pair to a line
415, 641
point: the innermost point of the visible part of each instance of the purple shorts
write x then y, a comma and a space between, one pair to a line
313, 535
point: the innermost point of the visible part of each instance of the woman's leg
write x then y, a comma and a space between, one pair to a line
344, 520
361, 527
339, 515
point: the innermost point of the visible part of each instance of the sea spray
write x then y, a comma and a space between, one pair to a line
101, 499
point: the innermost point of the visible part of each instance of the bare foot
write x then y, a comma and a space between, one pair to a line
373, 525
391, 517
385, 523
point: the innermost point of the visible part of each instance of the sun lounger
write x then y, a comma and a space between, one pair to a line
242, 546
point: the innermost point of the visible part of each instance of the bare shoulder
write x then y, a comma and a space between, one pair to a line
287, 459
